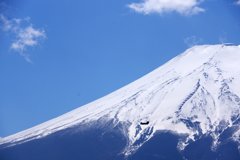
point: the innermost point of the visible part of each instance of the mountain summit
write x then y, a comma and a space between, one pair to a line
191, 103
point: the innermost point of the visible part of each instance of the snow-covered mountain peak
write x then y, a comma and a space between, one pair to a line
193, 94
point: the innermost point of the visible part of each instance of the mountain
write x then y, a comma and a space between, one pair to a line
187, 109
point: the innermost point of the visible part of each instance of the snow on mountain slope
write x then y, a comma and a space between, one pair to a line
195, 93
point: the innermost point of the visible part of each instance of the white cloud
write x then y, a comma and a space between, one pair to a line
25, 35
184, 7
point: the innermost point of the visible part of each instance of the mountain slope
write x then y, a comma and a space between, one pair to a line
195, 94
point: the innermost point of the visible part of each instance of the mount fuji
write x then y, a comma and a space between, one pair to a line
187, 109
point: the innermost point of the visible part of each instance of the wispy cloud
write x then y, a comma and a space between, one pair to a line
223, 38
192, 41
238, 2
25, 35
183, 7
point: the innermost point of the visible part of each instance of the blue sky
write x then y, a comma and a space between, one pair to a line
56, 56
